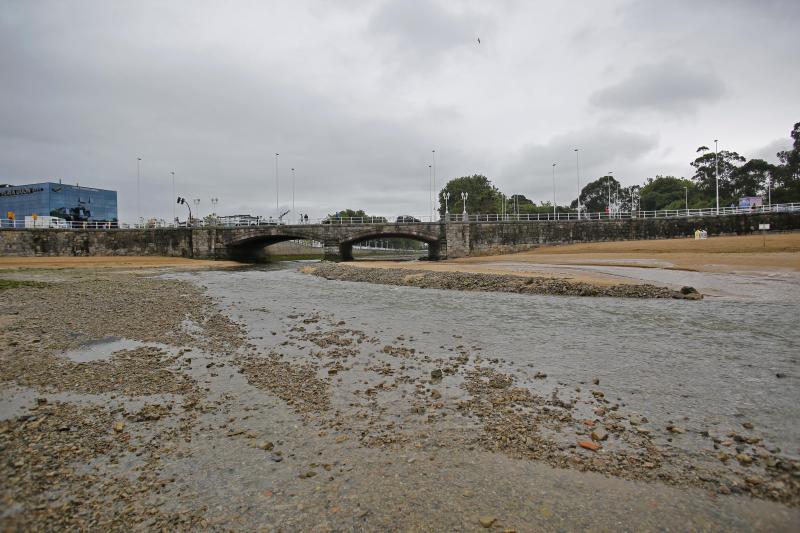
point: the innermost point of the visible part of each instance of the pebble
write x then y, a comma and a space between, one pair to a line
487, 521
589, 445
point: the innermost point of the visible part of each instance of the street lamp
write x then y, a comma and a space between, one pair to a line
293, 213
578, 171
436, 196
446, 196
430, 189
278, 209
196, 202
716, 170
686, 194
464, 196
138, 196
769, 191
554, 190
608, 183
173, 195
214, 202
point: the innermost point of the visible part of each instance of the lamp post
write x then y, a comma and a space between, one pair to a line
578, 171
277, 190
435, 196
430, 188
716, 170
196, 202
293, 213
173, 195
608, 182
464, 196
554, 190
446, 196
769, 191
214, 202
686, 195
138, 196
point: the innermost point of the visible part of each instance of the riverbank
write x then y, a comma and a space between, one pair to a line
257, 399
111, 262
672, 263
469, 281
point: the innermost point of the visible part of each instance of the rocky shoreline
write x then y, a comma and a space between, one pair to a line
466, 281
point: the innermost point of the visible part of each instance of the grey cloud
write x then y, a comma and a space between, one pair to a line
423, 30
602, 149
354, 97
770, 151
668, 87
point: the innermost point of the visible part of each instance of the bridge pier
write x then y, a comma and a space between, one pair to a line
335, 251
434, 251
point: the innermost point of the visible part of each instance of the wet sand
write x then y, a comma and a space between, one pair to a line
110, 262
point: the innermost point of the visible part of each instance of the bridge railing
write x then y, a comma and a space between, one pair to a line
664, 213
49, 223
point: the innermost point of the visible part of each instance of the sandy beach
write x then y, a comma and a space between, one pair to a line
602, 263
110, 262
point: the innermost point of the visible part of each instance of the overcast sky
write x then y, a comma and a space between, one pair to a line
355, 94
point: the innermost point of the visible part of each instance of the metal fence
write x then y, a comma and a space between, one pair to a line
408, 219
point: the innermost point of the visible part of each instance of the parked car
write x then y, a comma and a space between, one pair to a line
407, 218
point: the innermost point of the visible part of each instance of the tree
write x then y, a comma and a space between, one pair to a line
787, 174
706, 169
751, 178
483, 195
595, 196
669, 192
350, 213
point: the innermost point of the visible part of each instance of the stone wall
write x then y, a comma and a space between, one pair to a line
59, 242
445, 240
497, 238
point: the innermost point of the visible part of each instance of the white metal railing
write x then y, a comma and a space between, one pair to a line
408, 219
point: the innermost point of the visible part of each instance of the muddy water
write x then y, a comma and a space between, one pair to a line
709, 365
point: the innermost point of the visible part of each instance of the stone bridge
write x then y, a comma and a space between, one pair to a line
445, 240
247, 243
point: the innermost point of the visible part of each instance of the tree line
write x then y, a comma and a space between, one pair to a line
738, 178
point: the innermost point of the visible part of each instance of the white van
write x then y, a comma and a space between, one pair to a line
45, 222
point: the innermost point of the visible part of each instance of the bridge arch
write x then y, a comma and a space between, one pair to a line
433, 242
253, 248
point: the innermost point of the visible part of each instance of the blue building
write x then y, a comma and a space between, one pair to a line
71, 202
